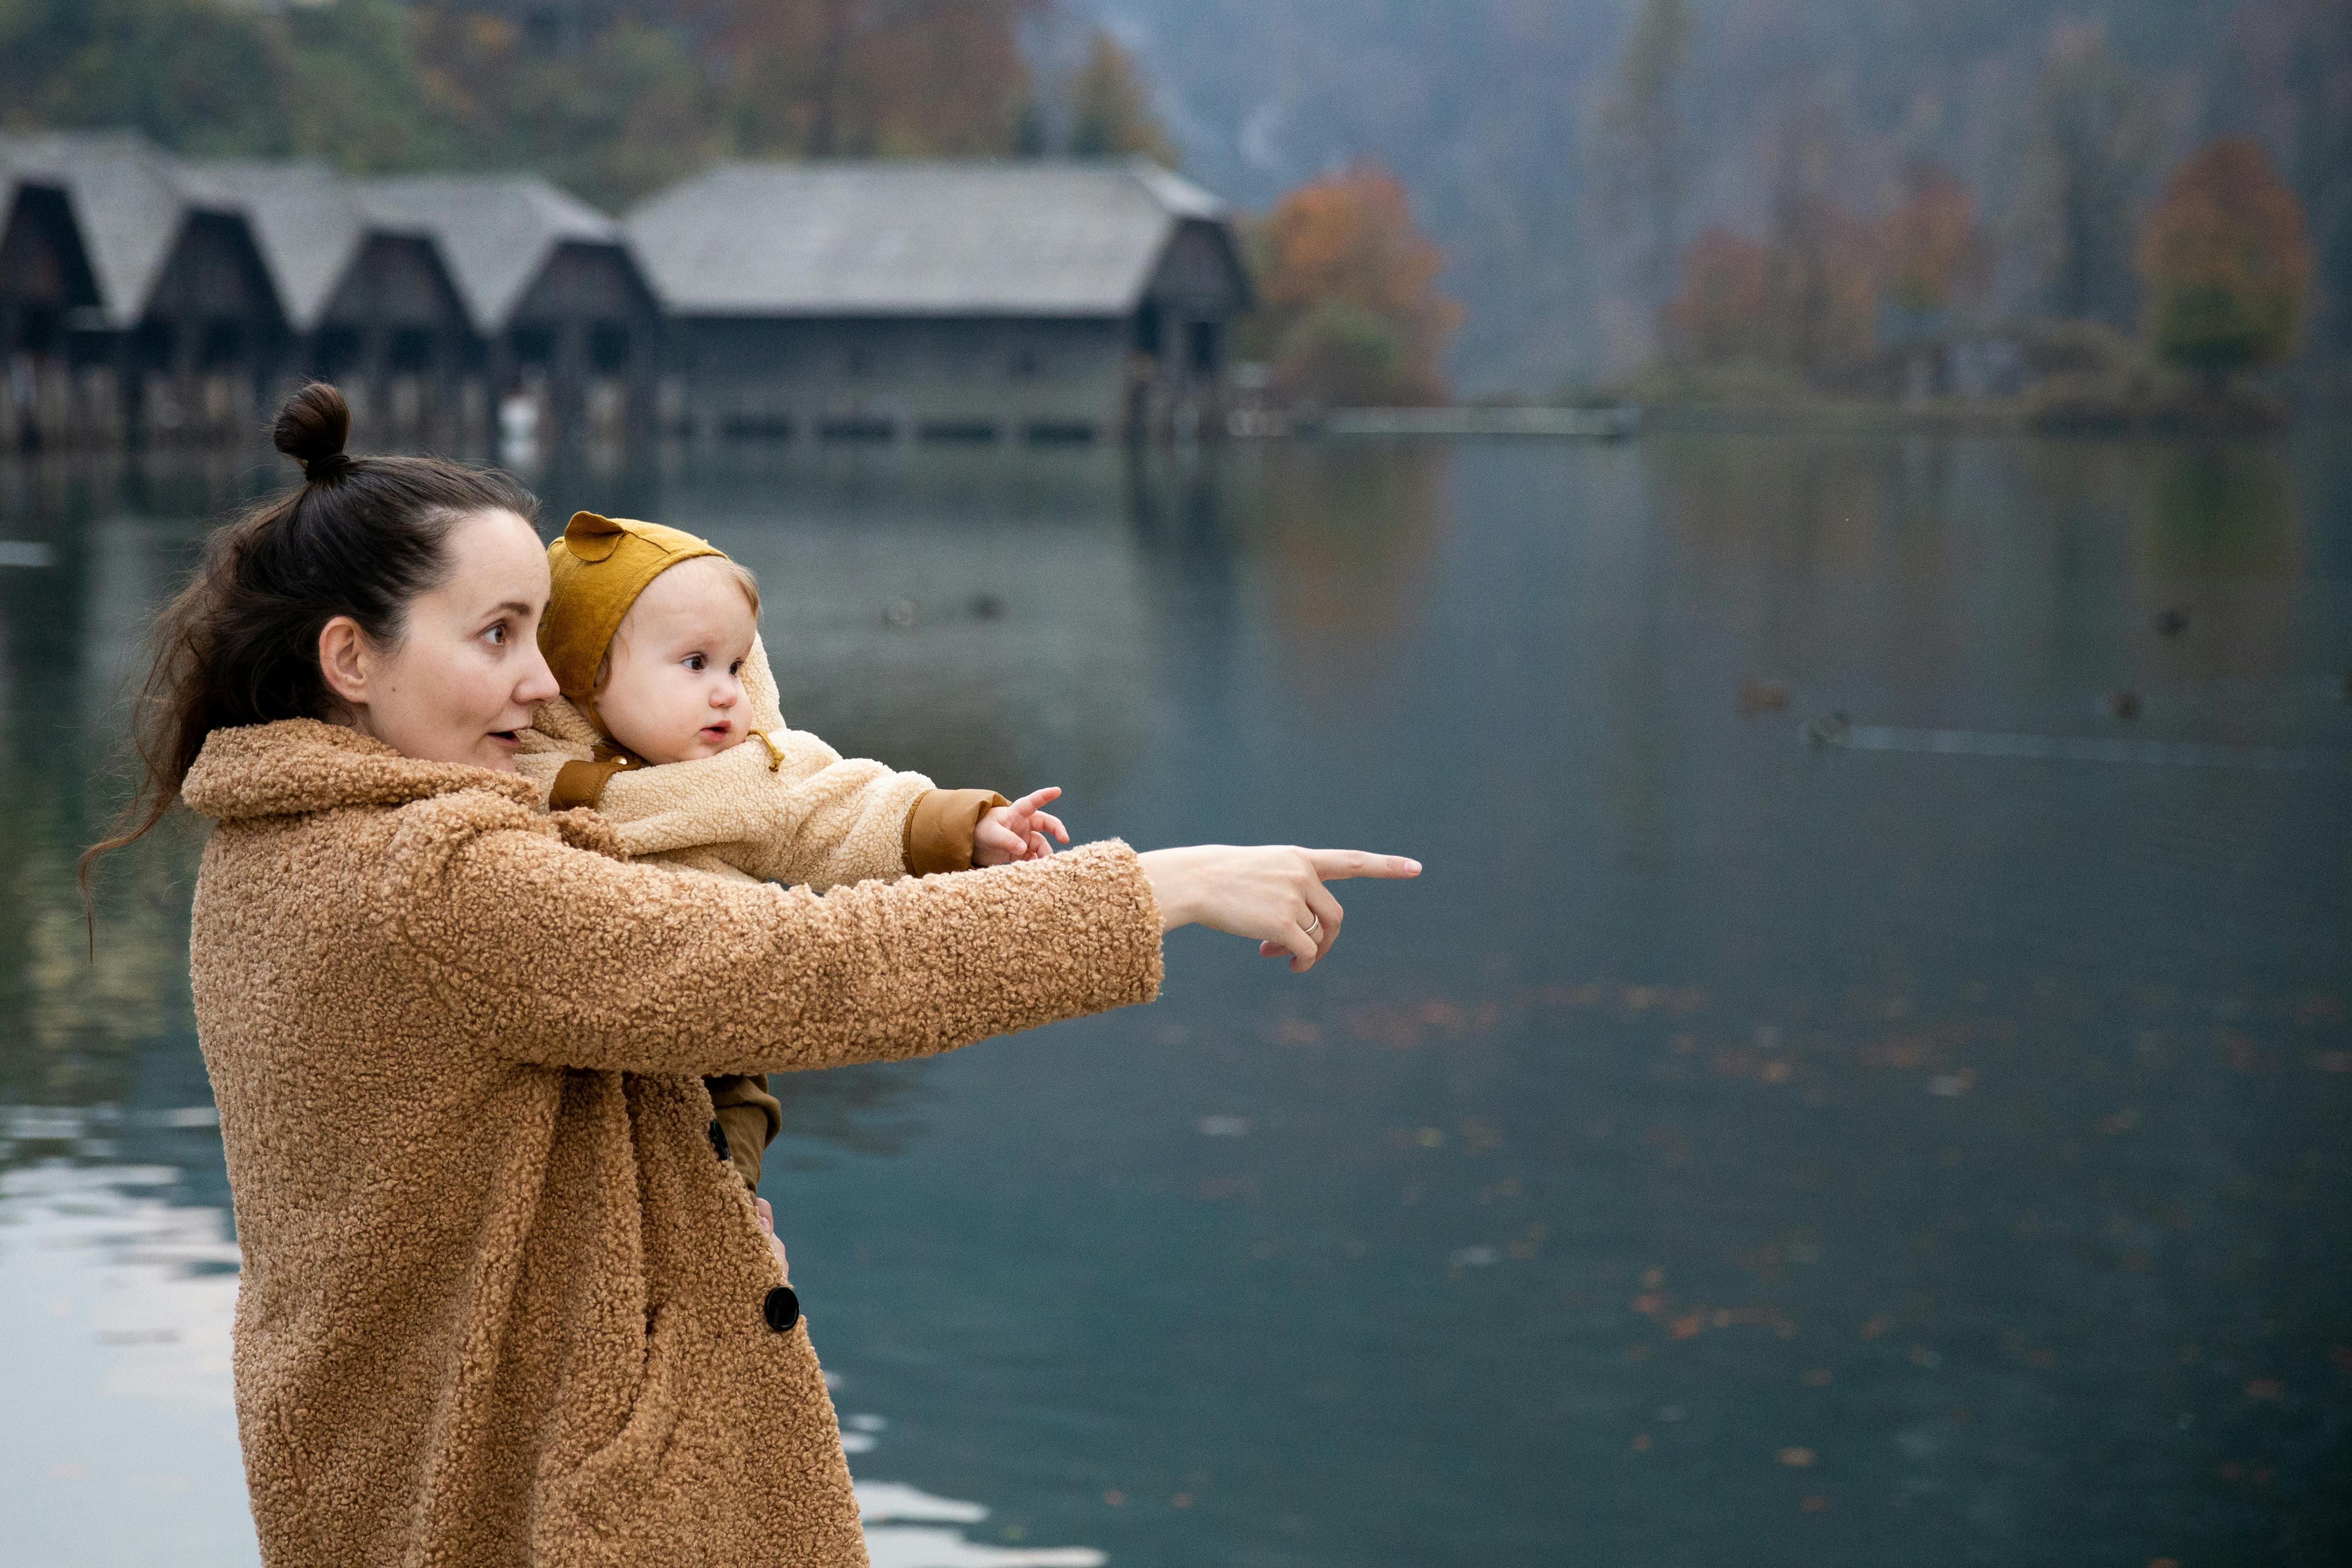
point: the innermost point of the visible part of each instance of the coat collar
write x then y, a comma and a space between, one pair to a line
298, 765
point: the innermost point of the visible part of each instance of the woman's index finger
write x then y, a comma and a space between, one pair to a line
1334, 865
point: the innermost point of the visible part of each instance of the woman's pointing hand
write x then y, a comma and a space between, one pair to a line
1274, 893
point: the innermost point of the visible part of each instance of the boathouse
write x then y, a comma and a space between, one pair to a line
1042, 300
561, 318
134, 299
368, 297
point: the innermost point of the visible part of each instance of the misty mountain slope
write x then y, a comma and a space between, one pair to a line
1474, 105
1486, 108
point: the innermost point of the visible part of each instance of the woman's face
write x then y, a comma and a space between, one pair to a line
459, 682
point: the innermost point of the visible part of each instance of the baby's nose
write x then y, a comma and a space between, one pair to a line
728, 694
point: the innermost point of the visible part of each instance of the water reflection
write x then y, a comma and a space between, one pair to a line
1733, 1148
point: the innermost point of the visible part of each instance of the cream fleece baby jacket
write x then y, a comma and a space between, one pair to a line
793, 811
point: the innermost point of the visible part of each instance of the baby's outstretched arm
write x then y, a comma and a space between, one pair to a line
1017, 831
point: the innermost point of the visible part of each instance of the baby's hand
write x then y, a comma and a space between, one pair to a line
1017, 833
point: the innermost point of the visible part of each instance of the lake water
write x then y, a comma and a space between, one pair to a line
1926, 1148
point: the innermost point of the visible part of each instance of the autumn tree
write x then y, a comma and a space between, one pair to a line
2095, 130
2294, 83
821, 78
1348, 306
2226, 263
1642, 145
1717, 312
1930, 251
1111, 108
1821, 296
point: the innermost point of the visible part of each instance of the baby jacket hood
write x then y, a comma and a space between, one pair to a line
301, 765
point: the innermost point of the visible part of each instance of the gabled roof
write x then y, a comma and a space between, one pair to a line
304, 221
852, 238
128, 199
496, 232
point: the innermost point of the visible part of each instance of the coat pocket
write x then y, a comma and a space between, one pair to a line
617, 1489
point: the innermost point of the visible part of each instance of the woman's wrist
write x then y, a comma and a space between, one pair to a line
1173, 885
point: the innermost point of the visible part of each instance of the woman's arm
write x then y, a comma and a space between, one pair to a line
570, 959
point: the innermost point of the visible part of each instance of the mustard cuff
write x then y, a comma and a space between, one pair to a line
751, 1117
939, 826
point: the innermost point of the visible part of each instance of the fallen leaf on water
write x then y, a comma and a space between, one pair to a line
1651, 1305
1819, 1377
1816, 1503
2244, 1055
1642, 1443
1876, 1326
1653, 1278
1797, 1458
2333, 1061
1115, 1499
1685, 1327
2266, 1388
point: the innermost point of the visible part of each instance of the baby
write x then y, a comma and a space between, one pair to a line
668, 726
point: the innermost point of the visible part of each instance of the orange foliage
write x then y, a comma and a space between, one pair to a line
1929, 248
1820, 295
1718, 312
2228, 262
1809, 299
1348, 287
914, 76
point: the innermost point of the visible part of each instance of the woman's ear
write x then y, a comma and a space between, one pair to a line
344, 660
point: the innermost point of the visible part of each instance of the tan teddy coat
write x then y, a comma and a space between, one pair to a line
780, 807
500, 1304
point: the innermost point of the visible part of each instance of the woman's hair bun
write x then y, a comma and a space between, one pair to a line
312, 428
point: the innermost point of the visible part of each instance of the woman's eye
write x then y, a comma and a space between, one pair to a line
497, 634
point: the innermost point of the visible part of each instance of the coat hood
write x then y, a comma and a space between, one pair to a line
301, 765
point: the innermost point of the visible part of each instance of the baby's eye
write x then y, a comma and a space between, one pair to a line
697, 662
735, 668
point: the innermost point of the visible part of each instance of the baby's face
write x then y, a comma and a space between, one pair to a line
675, 688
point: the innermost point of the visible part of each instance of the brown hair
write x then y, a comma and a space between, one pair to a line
239, 645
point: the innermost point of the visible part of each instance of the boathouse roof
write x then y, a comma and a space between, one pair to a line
130, 201
496, 232
304, 219
1076, 237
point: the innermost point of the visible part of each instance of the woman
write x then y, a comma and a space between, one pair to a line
501, 1302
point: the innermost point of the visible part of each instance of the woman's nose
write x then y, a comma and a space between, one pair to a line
538, 683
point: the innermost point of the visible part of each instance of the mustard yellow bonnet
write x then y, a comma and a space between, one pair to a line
600, 566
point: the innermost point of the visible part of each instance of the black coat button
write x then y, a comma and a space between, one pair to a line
782, 1309
719, 1138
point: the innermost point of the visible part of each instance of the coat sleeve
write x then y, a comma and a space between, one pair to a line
568, 958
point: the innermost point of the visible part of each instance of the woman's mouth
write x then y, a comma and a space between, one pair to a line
511, 739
